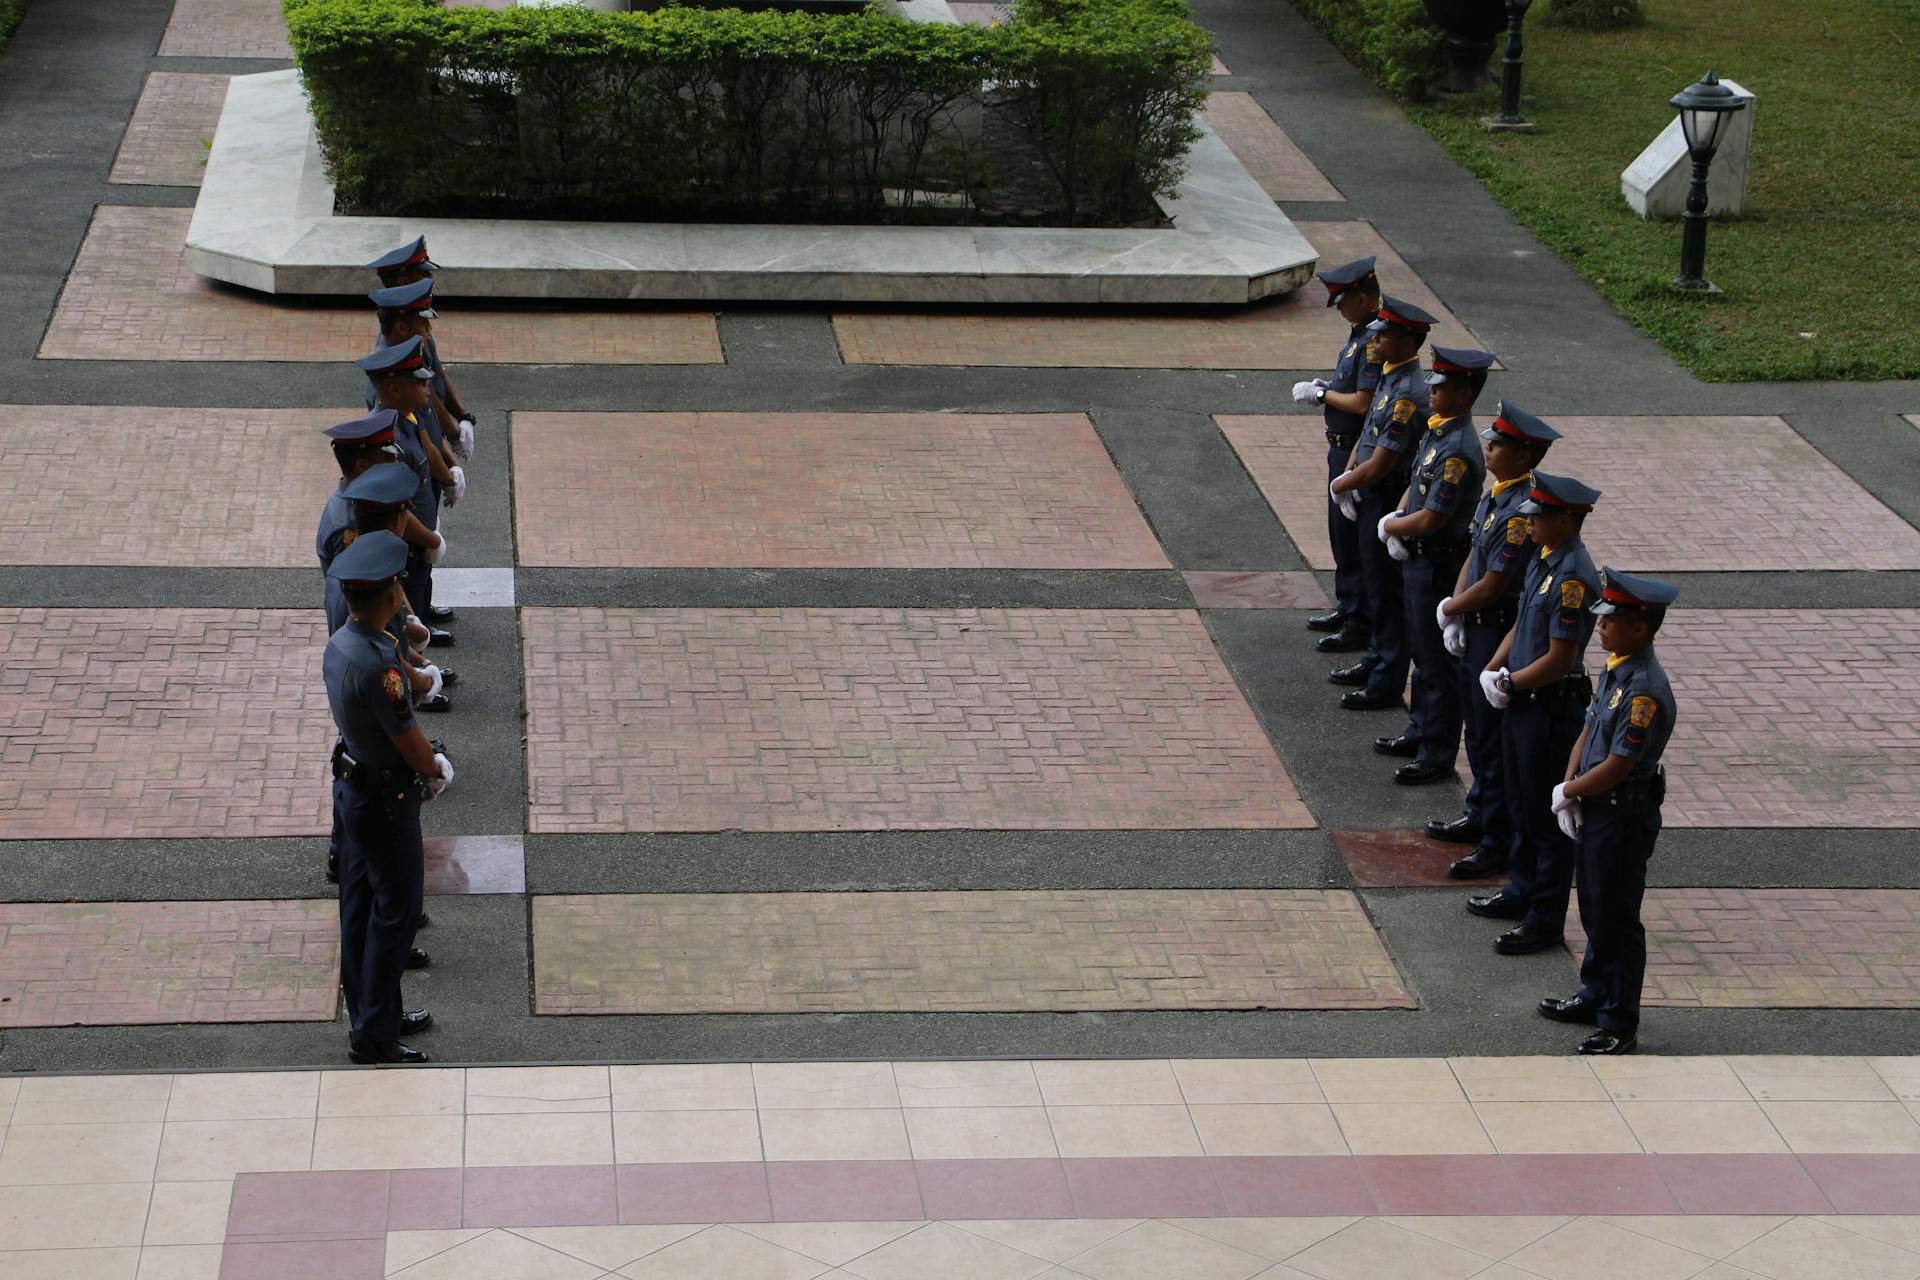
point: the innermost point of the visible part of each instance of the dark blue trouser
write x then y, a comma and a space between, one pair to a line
1614, 849
418, 582
1385, 592
1487, 797
1349, 596
1534, 744
382, 888
1429, 579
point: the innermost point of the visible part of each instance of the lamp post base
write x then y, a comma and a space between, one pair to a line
1696, 286
1494, 124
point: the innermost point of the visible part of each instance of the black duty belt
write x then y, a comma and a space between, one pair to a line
366, 777
1638, 794
1340, 440
1569, 693
1499, 617
1431, 547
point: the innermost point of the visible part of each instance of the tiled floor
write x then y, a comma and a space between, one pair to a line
1034, 950
866, 719
770, 490
173, 120
1817, 517
1281, 168
131, 296
226, 29
1196, 1170
1297, 332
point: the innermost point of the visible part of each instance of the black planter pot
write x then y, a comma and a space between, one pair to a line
1471, 27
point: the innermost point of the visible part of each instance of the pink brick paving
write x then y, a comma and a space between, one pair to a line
1030, 951
131, 296
125, 486
1276, 163
1298, 332
864, 719
1215, 590
926, 490
161, 723
1815, 515
123, 963
162, 146
226, 29
1779, 948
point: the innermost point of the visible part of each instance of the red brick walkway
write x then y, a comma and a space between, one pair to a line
131, 296
120, 963
226, 29
1297, 332
162, 723
162, 146
861, 719
1814, 515
82, 485
908, 490
1276, 163
1028, 951
1779, 948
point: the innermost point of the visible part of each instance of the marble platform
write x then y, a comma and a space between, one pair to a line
265, 221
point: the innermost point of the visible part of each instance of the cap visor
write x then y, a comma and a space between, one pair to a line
1378, 326
1603, 607
427, 313
428, 264
423, 373
1531, 508
1435, 379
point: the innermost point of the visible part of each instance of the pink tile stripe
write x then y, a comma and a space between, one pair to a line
296, 1225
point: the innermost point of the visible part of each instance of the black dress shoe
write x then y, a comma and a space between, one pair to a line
1461, 830
1419, 774
1478, 865
1327, 621
1364, 700
423, 922
415, 1020
418, 959
439, 613
437, 703
333, 869
389, 1052
438, 639
1609, 1042
449, 677
1354, 675
1399, 745
1524, 941
1497, 906
1569, 1009
1348, 639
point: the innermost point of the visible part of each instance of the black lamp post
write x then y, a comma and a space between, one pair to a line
1510, 119
1706, 110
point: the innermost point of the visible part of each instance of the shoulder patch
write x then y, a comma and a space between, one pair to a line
1373, 351
1403, 410
1614, 701
347, 537
396, 687
1452, 469
1572, 592
1640, 713
1517, 530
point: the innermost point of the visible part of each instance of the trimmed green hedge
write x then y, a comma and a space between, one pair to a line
421, 108
1391, 40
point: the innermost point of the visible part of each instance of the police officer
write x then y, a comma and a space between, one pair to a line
1477, 617
1432, 530
383, 768
407, 311
400, 375
1371, 487
379, 497
1345, 398
1538, 677
410, 264
1611, 801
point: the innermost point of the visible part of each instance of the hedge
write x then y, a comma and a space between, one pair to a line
421, 108
1393, 41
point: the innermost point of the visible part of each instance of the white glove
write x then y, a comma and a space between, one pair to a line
459, 490
1380, 530
1396, 548
1490, 686
1569, 820
1561, 800
434, 553
432, 673
1441, 615
1454, 637
1303, 392
1349, 505
465, 447
436, 785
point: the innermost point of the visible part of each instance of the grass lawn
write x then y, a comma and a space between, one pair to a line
1823, 271
11, 11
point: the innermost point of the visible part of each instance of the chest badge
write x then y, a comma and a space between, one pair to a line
1614, 701
1428, 460
1488, 525
1546, 586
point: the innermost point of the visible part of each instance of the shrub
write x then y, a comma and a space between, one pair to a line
1596, 15
1391, 40
419, 108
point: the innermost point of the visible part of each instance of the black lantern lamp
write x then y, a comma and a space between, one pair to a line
1510, 120
1706, 112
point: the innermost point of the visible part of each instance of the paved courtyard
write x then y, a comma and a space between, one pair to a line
890, 738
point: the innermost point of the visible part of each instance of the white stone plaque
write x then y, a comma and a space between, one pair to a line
1655, 184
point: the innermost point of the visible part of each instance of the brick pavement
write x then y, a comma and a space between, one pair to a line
226, 29
157, 723
131, 296
1397, 858
1815, 515
94, 964
1032, 950
162, 146
765, 490
1779, 948
97, 485
1214, 590
1275, 160
1296, 332
863, 719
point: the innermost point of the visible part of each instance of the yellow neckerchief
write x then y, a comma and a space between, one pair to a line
1615, 659
1547, 551
1437, 423
1501, 486
1386, 369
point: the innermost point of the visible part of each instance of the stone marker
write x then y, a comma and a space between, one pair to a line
1655, 184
